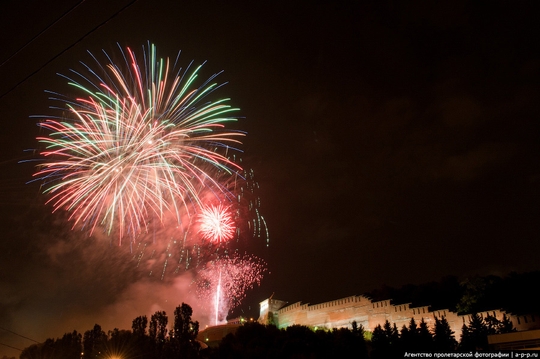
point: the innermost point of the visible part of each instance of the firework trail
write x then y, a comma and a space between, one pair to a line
217, 299
224, 282
137, 146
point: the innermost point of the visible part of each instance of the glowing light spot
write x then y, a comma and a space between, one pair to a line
216, 224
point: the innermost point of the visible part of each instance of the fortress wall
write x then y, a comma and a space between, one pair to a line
334, 314
341, 313
525, 321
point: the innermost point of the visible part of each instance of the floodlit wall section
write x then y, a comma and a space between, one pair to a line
341, 313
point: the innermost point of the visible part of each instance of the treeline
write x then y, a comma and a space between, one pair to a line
254, 340
470, 295
147, 339
389, 341
153, 340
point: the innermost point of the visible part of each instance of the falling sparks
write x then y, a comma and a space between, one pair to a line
224, 282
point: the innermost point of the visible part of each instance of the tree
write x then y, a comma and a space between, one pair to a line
391, 333
93, 341
425, 338
158, 326
404, 338
184, 329
385, 341
466, 342
495, 326
479, 293
506, 325
157, 333
184, 332
70, 346
345, 344
139, 326
298, 341
379, 339
67, 347
443, 336
33, 351
415, 338
413, 335
358, 332
254, 340
474, 336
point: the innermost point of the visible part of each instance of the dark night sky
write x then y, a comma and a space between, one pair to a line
394, 143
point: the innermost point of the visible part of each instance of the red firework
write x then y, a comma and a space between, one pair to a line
216, 224
223, 283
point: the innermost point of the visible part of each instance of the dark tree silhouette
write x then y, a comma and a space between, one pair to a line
184, 333
158, 326
252, 340
443, 336
300, 341
358, 332
258, 341
385, 341
139, 326
506, 325
404, 338
425, 338
379, 339
415, 337
93, 342
67, 347
474, 335
184, 328
71, 345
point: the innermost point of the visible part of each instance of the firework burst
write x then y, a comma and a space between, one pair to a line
136, 145
142, 144
224, 282
216, 224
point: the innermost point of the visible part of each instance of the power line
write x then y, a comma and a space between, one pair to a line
9, 346
68, 48
41, 32
22, 336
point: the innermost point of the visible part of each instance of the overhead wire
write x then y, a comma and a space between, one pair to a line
39, 69
17, 334
41, 32
9, 346
68, 48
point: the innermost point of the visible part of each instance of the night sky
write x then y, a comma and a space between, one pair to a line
393, 143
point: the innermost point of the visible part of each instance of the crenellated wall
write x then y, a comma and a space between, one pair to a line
341, 313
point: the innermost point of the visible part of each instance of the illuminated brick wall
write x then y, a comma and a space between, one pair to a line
341, 313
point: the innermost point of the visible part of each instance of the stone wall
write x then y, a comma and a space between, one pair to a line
341, 313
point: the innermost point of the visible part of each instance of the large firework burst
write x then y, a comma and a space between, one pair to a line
144, 142
140, 142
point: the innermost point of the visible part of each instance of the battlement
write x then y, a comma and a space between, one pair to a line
340, 313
